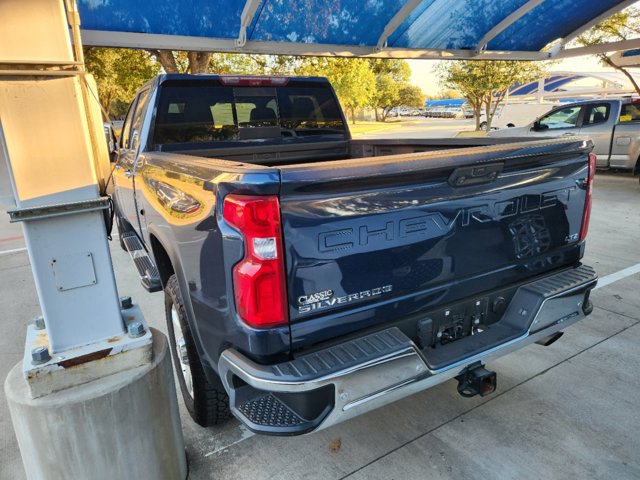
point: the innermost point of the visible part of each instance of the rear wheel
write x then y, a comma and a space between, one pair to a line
483, 126
208, 404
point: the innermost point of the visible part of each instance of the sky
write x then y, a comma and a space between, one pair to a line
423, 71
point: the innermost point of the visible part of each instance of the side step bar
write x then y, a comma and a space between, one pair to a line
149, 276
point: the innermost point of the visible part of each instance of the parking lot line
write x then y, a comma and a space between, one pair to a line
14, 250
619, 275
246, 434
10, 239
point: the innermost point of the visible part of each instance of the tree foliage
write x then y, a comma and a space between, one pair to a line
222, 63
410, 96
620, 26
119, 73
378, 83
392, 87
352, 79
484, 83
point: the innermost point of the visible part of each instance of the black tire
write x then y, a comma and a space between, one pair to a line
483, 126
209, 404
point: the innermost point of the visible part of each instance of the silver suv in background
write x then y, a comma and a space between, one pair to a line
612, 124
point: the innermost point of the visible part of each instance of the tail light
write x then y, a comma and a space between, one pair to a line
259, 278
586, 215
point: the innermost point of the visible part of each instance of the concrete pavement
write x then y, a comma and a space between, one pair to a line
421, 127
565, 411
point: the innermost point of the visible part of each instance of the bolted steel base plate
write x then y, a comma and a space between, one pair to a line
87, 363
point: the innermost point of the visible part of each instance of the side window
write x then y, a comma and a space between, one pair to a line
630, 112
596, 114
137, 119
563, 118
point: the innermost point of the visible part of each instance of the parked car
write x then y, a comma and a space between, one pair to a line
510, 115
310, 278
612, 124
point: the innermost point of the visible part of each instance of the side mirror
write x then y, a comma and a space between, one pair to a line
113, 151
539, 126
112, 142
135, 137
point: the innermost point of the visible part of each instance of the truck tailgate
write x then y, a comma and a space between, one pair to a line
369, 241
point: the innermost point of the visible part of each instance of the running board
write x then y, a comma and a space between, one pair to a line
149, 276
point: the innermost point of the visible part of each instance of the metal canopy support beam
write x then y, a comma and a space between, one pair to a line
248, 12
395, 22
603, 48
576, 33
88, 360
506, 23
147, 41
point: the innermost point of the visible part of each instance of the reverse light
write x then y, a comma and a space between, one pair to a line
259, 278
252, 81
586, 214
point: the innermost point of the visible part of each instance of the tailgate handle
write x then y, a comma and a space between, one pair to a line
475, 175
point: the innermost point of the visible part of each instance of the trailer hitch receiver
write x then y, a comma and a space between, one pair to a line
476, 380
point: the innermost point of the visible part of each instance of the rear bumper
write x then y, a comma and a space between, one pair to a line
329, 386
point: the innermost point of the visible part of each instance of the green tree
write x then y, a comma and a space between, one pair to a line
225, 63
386, 96
446, 94
392, 87
352, 79
410, 96
182, 62
119, 73
485, 83
620, 26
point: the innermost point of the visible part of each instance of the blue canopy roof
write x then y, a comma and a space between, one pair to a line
450, 102
559, 82
401, 28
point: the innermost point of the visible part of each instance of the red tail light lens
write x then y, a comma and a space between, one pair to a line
253, 81
259, 278
586, 215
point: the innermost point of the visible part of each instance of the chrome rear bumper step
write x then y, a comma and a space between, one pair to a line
326, 387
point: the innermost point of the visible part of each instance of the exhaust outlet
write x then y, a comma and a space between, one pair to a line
545, 342
476, 380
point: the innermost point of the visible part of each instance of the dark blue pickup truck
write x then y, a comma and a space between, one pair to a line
310, 278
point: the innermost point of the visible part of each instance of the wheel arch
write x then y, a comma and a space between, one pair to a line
168, 263
163, 261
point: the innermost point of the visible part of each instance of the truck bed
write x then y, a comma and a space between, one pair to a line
288, 153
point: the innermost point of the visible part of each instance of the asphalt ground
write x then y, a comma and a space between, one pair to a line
567, 411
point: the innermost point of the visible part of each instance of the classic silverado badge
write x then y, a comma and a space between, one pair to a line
315, 297
325, 299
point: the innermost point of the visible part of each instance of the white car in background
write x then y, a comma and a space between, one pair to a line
512, 115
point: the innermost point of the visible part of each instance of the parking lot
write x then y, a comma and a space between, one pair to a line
565, 411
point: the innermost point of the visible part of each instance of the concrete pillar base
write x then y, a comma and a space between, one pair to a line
125, 425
